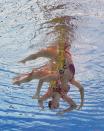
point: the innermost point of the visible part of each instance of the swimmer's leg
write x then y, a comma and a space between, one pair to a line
41, 53
47, 95
32, 56
22, 78
37, 93
81, 90
72, 105
46, 78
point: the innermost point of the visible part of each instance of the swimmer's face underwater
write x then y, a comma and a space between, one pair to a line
54, 103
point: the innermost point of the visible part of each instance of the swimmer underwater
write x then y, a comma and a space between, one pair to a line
44, 74
54, 71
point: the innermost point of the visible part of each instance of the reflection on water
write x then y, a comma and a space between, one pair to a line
27, 26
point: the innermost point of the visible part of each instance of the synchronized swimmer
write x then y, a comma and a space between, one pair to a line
62, 77
44, 74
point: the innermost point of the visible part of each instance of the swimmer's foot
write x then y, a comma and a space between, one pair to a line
20, 79
16, 82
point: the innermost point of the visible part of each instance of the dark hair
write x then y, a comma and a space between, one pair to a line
49, 104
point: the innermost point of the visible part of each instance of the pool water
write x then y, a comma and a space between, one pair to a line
24, 30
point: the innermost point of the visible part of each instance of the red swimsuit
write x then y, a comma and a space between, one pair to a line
60, 90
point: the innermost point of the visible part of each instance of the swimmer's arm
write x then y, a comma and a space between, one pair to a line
49, 77
37, 93
29, 58
81, 90
43, 98
71, 103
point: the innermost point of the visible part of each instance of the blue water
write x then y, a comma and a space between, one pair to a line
21, 33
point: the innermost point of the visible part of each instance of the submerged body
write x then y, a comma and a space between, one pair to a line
47, 75
56, 94
58, 52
